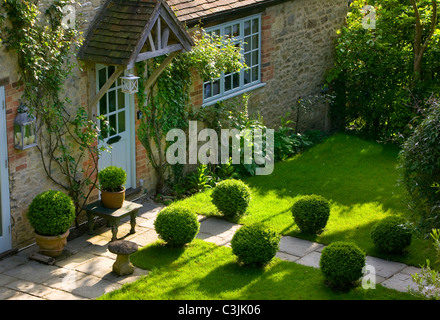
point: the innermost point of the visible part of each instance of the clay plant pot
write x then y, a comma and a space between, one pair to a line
52, 246
112, 200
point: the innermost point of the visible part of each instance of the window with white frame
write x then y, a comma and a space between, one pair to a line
245, 33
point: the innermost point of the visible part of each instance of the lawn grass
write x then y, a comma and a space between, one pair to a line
359, 178
205, 271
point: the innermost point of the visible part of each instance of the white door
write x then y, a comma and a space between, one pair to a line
117, 109
5, 213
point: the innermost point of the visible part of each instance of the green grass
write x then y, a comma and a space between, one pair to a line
205, 271
358, 177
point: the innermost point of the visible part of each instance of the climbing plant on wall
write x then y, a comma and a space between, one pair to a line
43, 47
166, 104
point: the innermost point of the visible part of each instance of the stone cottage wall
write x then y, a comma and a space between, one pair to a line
297, 48
298, 43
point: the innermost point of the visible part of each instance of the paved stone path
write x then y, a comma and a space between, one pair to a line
84, 270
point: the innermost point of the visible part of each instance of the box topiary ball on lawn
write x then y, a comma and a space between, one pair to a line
341, 264
231, 197
255, 245
177, 226
311, 213
391, 235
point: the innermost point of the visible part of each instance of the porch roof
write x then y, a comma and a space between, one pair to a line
119, 33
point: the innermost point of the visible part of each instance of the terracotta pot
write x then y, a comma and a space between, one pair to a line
52, 246
112, 200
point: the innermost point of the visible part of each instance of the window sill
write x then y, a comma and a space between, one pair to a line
233, 94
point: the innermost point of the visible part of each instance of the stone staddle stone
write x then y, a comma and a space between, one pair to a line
123, 249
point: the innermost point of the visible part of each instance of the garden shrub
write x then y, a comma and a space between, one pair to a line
341, 264
51, 213
231, 197
391, 235
112, 178
177, 226
311, 213
255, 245
420, 164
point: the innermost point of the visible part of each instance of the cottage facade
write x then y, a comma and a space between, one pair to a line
287, 45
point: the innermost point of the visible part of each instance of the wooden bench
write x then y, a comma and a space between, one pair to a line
112, 216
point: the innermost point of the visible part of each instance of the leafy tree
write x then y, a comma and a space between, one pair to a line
380, 72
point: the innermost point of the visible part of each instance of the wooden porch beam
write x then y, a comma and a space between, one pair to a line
159, 52
156, 73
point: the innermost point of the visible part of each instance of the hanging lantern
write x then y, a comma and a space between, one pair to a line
130, 84
25, 129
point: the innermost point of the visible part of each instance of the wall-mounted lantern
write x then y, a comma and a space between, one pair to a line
25, 129
129, 84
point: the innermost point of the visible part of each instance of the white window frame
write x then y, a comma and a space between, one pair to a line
242, 88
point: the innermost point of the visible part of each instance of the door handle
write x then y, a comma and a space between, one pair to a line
113, 140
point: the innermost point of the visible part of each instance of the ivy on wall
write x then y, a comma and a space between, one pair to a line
43, 47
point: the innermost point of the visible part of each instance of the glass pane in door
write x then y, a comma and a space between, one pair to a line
112, 106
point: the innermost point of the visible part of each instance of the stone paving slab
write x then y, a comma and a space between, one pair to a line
400, 281
383, 267
92, 287
311, 259
298, 247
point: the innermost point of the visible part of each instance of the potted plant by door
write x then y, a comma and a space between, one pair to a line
112, 185
51, 213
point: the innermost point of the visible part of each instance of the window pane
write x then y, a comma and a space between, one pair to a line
255, 42
103, 128
247, 59
247, 44
254, 74
121, 121
216, 87
228, 84
207, 90
255, 26
111, 101
228, 31
247, 28
236, 30
103, 105
255, 58
111, 70
247, 76
102, 77
121, 99
236, 80
112, 124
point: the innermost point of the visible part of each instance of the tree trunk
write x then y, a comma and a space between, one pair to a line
420, 49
